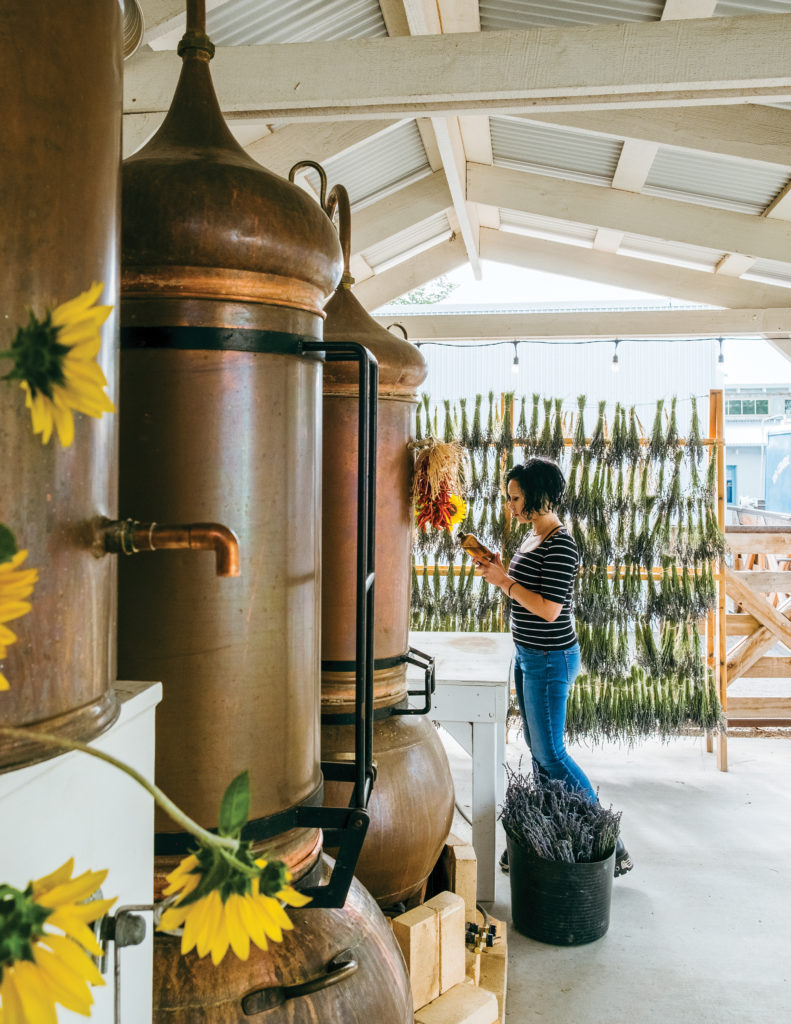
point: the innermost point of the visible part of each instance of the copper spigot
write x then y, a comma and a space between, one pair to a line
128, 537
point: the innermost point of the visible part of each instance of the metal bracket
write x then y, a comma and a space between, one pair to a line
124, 928
427, 662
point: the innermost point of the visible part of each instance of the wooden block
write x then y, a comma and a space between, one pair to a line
462, 869
494, 967
462, 1004
417, 934
473, 966
450, 910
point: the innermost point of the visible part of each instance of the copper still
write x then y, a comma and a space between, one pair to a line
225, 269
412, 803
61, 79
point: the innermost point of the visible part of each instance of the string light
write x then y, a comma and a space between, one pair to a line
721, 356
614, 365
515, 364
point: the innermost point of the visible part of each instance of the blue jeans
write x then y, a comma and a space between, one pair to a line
543, 681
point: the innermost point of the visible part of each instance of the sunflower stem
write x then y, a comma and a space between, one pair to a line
167, 805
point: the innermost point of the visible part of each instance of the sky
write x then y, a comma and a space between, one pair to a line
753, 361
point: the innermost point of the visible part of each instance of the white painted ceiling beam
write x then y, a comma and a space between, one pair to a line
668, 219
587, 66
675, 9
734, 264
409, 205
747, 131
665, 323
412, 273
629, 272
424, 18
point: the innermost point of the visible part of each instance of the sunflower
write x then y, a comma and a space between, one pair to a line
40, 967
55, 364
15, 587
460, 506
246, 906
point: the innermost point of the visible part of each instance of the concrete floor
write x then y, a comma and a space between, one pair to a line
700, 930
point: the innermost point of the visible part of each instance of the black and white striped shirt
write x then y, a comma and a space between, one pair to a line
548, 570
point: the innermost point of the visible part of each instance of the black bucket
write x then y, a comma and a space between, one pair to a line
562, 904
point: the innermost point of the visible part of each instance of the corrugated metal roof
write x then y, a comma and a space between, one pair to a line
695, 256
747, 186
555, 151
548, 227
378, 166
734, 8
292, 21
432, 230
505, 14
770, 271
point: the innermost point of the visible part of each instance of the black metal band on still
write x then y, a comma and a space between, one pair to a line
219, 339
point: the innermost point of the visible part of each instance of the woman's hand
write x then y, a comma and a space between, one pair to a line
494, 572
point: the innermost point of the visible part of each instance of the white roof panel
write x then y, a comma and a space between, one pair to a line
248, 22
408, 242
555, 151
378, 166
770, 271
547, 227
736, 8
505, 14
746, 186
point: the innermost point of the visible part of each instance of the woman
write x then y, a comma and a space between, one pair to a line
540, 584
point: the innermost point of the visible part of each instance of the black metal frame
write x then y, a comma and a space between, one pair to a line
427, 662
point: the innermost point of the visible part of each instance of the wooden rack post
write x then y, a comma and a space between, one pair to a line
718, 650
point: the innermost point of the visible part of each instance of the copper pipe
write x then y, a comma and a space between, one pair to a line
128, 537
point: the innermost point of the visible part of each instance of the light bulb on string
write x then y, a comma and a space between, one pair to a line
515, 364
614, 366
721, 360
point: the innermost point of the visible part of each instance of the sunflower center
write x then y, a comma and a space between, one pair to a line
21, 923
38, 356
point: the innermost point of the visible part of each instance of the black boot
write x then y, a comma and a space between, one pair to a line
623, 862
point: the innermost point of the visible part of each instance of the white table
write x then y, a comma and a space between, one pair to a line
471, 701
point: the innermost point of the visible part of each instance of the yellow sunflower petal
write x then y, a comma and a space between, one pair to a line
64, 424
4, 684
69, 311
38, 1005
70, 990
211, 922
184, 867
58, 877
292, 897
278, 914
74, 957
268, 922
173, 918
237, 933
221, 939
12, 1007
74, 890
75, 929
193, 925
252, 923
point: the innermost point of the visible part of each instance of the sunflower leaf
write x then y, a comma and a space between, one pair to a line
8, 546
235, 807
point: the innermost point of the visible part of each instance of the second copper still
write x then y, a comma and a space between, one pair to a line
221, 392
412, 803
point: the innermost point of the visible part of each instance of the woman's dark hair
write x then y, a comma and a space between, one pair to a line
542, 483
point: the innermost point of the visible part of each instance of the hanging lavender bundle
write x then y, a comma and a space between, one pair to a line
671, 437
558, 445
617, 445
465, 427
489, 436
505, 439
694, 441
634, 449
656, 446
532, 438
521, 430
598, 438
580, 438
448, 432
418, 422
544, 446
476, 436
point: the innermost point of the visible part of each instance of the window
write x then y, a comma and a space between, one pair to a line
788, 406
751, 406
